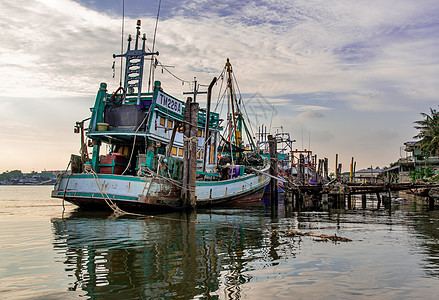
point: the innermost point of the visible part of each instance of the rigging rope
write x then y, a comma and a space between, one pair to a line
151, 72
269, 175
135, 136
121, 44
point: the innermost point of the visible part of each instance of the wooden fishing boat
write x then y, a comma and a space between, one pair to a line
153, 151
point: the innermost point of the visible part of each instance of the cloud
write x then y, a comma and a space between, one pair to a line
309, 47
312, 60
310, 114
52, 49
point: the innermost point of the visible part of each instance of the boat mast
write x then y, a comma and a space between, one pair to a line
134, 65
195, 92
229, 84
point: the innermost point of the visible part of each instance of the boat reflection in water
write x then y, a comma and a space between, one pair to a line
242, 253
174, 255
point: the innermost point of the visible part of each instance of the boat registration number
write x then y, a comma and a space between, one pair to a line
169, 103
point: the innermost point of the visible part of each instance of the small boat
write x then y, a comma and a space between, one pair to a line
152, 151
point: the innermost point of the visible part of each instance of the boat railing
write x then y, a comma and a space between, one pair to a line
214, 118
130, 99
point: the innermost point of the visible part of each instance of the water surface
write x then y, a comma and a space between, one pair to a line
46, 253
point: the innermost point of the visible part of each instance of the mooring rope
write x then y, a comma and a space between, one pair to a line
269, 175
65, 191
134, 141
116, 209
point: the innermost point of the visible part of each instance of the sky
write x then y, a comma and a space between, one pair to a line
342, 77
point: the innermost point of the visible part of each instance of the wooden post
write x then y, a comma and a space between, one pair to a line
351, 174
193, 154
430, 203
302, 169
326, 175
314, 166
341, 200
336, 167
273, 170
355, 166
299, 200
363, 200
339, 172
190, 118
379, 199
186, 133
318, 172
390, 194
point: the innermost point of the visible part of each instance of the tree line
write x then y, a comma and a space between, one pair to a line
428, 132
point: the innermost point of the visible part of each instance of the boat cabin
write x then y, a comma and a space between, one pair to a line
131, 134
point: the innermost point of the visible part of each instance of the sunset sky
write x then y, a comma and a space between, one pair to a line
346, 77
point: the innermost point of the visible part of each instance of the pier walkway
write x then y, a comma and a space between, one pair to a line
349, 188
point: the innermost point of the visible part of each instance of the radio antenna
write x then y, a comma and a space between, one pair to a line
121, 43
151, 72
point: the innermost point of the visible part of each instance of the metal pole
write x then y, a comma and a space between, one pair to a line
206, 127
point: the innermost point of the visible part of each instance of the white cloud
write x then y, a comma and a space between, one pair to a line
311, 114
370, 56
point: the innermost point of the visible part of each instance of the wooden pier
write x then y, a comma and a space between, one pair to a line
312, 179
338, 193
350, 188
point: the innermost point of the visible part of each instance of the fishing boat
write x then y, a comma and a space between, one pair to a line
152, 151
284, 147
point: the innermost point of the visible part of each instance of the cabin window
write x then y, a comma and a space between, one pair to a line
200, 133
162, 121
174, 150
180, 151
169, 124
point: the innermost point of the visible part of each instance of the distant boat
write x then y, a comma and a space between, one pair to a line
284, 154
138, 156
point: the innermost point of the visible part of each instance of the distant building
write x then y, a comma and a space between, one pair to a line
368, 176
391, 174
416, 160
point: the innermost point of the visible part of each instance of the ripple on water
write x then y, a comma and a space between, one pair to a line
225, 254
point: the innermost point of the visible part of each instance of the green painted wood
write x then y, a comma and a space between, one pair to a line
98, 195
106, 176
208, 174
150, 159
95, 158
97, 115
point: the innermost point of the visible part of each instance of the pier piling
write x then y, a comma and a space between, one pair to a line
363, 201
273, 171
190, 153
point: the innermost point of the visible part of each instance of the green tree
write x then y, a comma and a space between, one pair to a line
429, 131
8, 175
